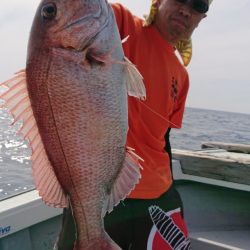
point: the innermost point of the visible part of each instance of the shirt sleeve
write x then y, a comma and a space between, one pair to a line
177, 115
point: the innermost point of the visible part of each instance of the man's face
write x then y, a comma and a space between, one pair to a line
176, 20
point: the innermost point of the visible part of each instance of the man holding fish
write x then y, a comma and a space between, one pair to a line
98, 145
151, 217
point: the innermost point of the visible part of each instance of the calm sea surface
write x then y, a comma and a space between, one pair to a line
199, 126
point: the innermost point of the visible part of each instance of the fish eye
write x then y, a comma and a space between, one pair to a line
49, 11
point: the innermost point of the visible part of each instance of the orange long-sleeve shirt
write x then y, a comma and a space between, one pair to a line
166, 82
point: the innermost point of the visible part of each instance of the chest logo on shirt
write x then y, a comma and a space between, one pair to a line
174, 89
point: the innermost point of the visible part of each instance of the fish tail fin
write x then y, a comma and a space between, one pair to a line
126, 180
135, 85
16, 100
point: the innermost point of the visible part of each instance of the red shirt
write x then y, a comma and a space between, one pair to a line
166, 82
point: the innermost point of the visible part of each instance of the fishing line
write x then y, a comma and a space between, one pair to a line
159, 115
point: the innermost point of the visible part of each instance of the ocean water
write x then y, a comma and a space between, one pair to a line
199, 126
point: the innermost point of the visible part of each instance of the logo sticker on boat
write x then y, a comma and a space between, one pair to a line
5, 230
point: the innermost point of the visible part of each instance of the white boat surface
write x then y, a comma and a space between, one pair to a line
217, 212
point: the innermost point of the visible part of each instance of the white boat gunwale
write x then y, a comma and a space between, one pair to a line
22, 211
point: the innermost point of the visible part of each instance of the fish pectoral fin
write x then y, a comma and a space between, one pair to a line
135, 85
16, 100
93, 56
126, 180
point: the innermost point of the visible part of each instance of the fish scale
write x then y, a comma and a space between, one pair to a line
72, 99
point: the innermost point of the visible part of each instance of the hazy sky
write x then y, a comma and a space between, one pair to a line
219, 71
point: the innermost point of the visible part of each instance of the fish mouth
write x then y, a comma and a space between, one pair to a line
85, 18
90, 39
86, 41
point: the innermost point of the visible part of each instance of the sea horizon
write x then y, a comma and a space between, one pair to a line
218, 110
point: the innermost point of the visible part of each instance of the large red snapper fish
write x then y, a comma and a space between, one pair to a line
72, 99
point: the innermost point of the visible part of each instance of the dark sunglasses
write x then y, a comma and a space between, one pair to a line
198, 5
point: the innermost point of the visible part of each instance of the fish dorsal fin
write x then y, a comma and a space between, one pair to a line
16, 100
126, 180
135, 85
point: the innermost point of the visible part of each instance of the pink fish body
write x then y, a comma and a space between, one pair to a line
72, 100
